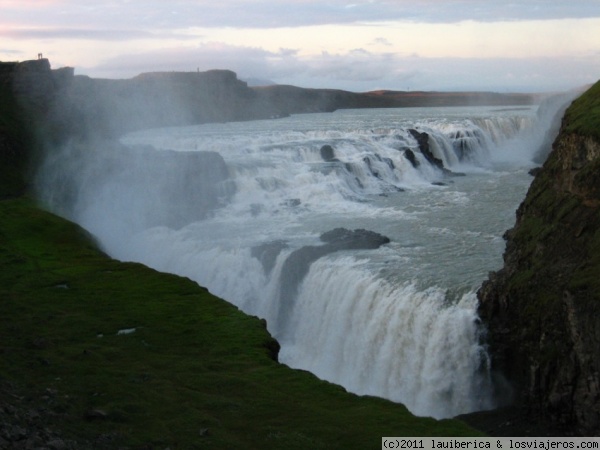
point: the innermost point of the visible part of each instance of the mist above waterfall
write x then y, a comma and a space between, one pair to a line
360, 236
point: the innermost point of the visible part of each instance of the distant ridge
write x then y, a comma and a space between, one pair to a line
105, 107
433, 98
294, 100
255, 82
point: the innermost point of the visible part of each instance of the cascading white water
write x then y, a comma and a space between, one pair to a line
397, 320
395, 341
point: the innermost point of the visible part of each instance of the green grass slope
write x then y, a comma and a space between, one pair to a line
194, 372
583, 116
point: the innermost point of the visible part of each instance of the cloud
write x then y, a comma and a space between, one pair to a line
123, 38
158, 14
9, 51
30, 4
88, 34
300, 13
246, 61
362, 70
283, 66
358, 65
381, 41
506, 74
451, 11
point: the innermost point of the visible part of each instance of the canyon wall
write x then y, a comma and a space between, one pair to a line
542, 309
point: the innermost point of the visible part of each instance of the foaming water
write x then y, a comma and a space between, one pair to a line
391, 340
228, 204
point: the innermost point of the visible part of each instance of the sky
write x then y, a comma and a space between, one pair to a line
356, 45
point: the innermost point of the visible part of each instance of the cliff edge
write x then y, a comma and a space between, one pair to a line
542, 309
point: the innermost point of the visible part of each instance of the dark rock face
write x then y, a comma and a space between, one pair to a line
344, 239
410, 155
34, 82
542, 309
27, 92
156, 186
110, 108
297, 265
267, 253
13, 162
328, 154
423, 142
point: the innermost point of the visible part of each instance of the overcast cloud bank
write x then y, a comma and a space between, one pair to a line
358, 46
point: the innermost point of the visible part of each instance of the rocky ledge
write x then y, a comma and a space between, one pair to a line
542, 309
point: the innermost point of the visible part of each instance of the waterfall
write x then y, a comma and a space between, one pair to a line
405, 344
352, 234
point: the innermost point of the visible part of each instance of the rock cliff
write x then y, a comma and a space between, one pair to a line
34, 83
25, 88
158, 186
542, 309
110, 108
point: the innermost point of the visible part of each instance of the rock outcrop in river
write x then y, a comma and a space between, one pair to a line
542, 308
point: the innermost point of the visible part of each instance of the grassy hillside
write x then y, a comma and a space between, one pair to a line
195, 373
583, 116
188, 370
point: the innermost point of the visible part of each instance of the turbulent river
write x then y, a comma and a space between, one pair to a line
266, 219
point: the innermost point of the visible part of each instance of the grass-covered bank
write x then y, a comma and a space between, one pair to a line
189, 371
195, 373
583, 117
